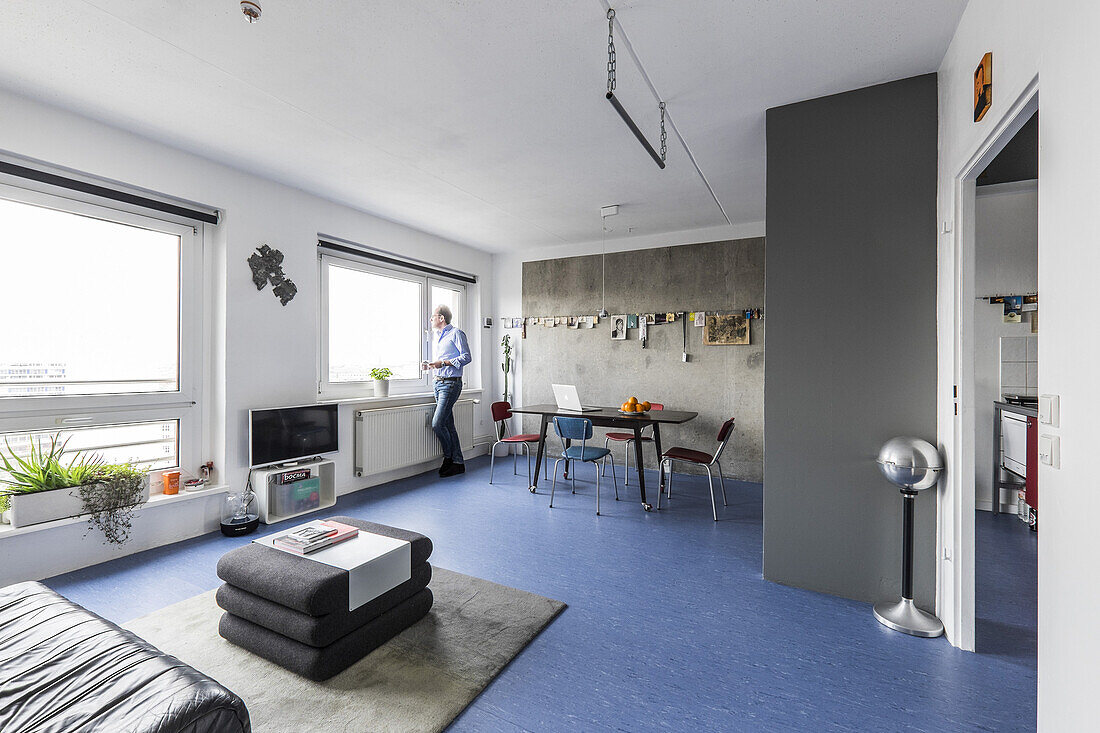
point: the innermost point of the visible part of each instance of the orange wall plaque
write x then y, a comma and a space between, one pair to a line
983, 87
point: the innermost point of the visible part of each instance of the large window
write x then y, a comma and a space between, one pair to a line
101, 338
376, 316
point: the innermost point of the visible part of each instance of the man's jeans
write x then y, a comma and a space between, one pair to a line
443, 422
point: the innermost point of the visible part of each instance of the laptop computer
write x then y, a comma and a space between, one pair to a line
568, 399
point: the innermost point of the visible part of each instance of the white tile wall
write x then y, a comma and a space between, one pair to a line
1020, 365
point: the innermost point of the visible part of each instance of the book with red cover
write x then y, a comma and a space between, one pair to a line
325, 534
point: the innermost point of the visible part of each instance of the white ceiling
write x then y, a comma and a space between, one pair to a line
483, 121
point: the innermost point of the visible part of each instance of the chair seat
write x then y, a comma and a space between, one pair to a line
587, 453
627, 436
687, 454
524, 438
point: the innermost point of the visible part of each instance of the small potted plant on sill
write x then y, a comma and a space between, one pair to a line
381, 377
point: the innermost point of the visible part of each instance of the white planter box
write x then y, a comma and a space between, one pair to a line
46, 506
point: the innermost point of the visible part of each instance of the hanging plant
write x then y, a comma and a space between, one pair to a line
110, 501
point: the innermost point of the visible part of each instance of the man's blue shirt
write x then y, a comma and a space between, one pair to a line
452, 348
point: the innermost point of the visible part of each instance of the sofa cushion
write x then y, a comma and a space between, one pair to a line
320, 663
317, 630
298, 582
63, 668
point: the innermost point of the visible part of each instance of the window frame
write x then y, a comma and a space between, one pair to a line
364, 389
57, 412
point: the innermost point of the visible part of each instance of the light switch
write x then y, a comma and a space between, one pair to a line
1048, 450
1048, 410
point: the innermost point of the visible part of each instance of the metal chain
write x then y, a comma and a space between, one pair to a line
611, 50
664, 135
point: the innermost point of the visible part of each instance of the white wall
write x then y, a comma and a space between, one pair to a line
1053, 40
250, 363
1006, 219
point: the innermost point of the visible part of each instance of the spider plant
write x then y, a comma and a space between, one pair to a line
43, 470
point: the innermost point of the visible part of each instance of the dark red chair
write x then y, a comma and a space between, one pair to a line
502, 413
706, 460
627, 439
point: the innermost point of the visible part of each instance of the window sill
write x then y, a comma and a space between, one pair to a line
156, 500
411, 398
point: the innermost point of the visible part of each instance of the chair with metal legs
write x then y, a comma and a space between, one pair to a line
579, 429
628, 439
698, 457
502, 413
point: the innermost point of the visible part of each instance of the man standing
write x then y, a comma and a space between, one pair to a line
450, 352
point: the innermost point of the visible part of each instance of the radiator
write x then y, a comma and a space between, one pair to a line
388, 438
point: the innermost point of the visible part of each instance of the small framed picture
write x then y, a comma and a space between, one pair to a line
632, 320
488, 322
618, 328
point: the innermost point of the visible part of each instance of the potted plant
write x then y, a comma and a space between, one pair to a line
381, 377
506, 367
42, 487
110, 499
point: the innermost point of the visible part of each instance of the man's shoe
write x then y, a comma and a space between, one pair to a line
447, 463
453, 470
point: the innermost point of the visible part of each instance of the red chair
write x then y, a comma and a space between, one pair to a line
502, 413
627, 439
706, 460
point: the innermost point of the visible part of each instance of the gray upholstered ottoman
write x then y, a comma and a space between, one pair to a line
293, 610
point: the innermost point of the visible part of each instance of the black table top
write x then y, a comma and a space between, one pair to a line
608, 413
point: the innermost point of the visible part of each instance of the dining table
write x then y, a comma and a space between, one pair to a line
611, 417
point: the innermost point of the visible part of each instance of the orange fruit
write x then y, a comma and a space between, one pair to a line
633, 400
626, 407
646, 406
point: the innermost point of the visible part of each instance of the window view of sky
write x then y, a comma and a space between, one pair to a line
90, 306
374, 321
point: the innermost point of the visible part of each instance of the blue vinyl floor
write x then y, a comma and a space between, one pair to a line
670, 625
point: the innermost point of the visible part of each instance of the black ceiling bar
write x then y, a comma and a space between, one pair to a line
372, 255
73, 184
634, 128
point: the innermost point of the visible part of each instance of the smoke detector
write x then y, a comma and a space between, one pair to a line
251, 10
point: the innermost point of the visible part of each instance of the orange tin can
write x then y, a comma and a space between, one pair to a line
171, 482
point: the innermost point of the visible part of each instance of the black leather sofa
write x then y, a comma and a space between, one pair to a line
63, 668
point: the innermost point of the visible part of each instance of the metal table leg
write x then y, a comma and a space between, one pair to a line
541, 451
638, 463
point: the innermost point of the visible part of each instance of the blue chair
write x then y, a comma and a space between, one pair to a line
580, 428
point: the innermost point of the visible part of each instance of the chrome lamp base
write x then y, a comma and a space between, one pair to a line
905, 617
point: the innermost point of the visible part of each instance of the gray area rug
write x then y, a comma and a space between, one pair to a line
418, 681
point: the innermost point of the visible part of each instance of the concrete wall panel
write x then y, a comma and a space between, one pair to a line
718, 382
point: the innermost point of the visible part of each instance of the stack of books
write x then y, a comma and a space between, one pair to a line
314, 536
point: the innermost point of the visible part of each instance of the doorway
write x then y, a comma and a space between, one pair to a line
959, 501
1005, 395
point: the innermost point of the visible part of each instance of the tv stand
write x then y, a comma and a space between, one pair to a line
290, 490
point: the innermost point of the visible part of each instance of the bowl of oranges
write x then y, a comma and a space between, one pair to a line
634, 407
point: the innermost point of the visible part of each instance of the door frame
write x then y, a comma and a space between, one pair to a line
955, 576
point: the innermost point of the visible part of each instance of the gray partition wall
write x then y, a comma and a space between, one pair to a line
851, 284
719, 382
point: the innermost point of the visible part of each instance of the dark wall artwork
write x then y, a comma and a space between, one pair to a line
267, 266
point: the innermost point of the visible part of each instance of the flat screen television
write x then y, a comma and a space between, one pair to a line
282, 434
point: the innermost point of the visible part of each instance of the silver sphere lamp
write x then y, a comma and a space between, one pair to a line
913, 465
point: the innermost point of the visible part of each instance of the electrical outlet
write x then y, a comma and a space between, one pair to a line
1049, 448
686, 357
